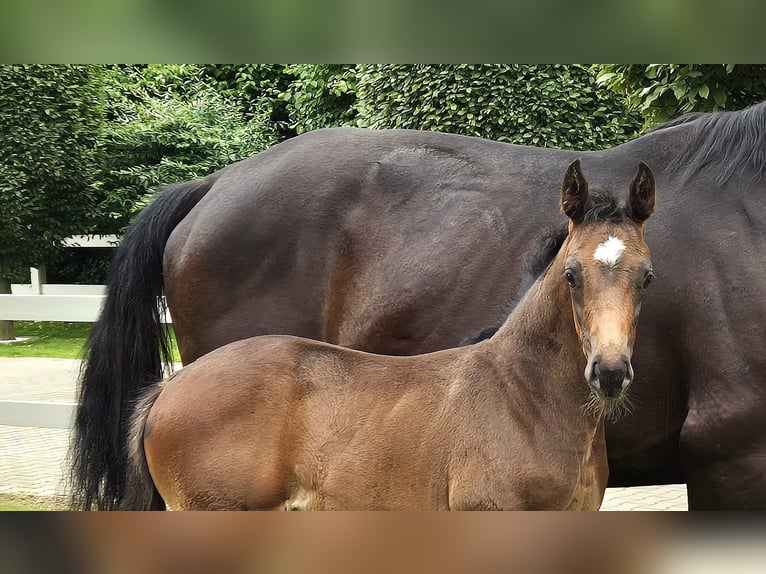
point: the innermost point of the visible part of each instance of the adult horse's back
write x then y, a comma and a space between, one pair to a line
393, 242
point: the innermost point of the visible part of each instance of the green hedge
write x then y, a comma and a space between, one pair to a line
557, 106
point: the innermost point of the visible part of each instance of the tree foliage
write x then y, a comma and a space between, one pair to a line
294, 98
49, 117
664, 91
321, 96
258, 89
542, 105
167, 124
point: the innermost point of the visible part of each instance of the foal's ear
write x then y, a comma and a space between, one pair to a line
641, 196
574, 193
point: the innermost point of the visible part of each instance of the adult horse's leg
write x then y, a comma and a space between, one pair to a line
724, 453
125, 350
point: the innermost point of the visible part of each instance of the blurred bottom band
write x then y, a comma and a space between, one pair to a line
319, 543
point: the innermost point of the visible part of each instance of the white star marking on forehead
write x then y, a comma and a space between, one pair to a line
609, 251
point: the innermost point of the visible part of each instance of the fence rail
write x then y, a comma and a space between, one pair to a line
48, 307
56, 289
83, 308
39, 414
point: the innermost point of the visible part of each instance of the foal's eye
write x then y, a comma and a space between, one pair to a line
647, 280
570, 278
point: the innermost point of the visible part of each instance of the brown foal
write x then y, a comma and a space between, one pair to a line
278, 422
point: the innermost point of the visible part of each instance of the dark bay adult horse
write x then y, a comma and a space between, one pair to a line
515, 422
394, 242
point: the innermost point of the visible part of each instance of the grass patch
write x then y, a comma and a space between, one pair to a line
47, 339
51, 339
26, 502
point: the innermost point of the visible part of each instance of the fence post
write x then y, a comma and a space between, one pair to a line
38, 279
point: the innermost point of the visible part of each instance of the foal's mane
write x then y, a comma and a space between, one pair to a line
603, 207
732, 142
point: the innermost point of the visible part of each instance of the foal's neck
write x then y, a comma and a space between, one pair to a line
539, 345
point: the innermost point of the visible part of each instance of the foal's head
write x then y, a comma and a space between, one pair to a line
608, 270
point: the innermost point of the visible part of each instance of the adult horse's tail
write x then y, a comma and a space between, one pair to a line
125, 351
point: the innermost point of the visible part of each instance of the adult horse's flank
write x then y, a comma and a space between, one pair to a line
395, 241
282, 422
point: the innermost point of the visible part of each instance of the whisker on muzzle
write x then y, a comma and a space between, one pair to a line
611, 408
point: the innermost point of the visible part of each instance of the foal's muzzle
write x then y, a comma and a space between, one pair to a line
609, 376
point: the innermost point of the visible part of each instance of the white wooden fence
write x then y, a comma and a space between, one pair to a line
41, 301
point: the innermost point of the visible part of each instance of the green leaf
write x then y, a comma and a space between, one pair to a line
679, 91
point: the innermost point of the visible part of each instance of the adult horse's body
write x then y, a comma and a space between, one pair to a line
510, 423
395, 242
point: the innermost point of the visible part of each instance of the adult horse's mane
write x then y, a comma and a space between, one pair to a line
732, 141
